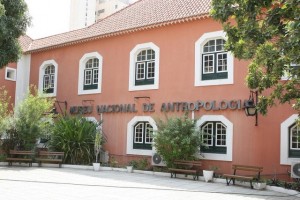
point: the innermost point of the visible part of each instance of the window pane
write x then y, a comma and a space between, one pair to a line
141, 56
46, 82
96, 63
220, 45
208, 63
89, 64
222, 62
150, 54
138, 133
294, 138
209, 46
95, 76
140, 71
87, 77
220, 135
207, 134
151, 70
148, 135
52, 81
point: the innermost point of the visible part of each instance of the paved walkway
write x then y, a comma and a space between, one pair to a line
24, 183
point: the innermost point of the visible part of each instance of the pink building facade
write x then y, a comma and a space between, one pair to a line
131, 69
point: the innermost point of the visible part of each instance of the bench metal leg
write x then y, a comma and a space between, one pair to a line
251, 184
173, 174
228, 181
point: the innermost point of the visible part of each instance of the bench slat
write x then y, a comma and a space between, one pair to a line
238, 168
22, 157
50, 157
190, 168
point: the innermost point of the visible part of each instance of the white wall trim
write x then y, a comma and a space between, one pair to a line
82, 62
198, 61
130, 130
229, 137
22, 83
284, 140
133, 54
42, 73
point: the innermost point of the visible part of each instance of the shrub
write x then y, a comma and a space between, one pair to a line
29, 122
177, 138
75, 136
4, 110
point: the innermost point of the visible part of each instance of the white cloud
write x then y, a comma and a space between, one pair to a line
49, 17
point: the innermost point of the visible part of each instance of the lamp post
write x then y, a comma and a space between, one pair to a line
250, 106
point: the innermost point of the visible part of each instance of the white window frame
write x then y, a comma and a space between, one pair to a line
146, 129
229, 137
210, 134
41, 77
291, 138
135, 137
217, 64
284, 141
82, 64
198, 61
14, 74
216, 140
130, 131
132, 67
203, 63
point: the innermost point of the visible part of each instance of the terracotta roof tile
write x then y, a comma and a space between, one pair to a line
143, 14
25, 42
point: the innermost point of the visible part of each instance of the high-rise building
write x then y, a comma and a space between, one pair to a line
87, 12
82, 13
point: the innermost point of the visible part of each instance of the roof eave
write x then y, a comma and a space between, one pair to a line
122, 32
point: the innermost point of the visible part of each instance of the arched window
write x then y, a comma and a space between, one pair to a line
294, 141
214, 136
91, 74
48, 78
144, 67
213, 64
218, 135
214, 60
139, 135
142, 135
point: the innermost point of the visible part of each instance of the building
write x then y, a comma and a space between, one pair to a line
82, 13
86, 12
145, 62
105, 8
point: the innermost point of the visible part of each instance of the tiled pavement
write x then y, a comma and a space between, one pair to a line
24, 183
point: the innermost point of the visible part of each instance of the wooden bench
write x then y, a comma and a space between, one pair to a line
50, 157
20, 157
186, 167
254, 177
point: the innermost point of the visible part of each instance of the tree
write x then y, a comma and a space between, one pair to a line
14, 20
267, 33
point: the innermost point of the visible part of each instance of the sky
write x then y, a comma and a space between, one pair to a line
49, 17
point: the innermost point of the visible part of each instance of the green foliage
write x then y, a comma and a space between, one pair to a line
177, 138
99, 140
267, 32
29, 121
140, 164
4, 110
75, 136
14, 20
